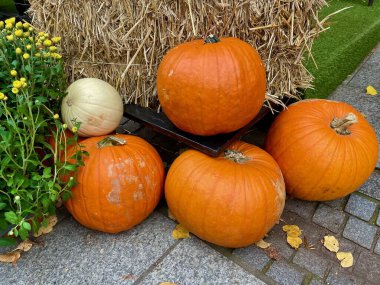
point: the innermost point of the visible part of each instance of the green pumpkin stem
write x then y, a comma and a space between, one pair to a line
212, 39
340, 125
111, 141
236, 156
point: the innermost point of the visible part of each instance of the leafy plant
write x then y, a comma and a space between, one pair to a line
34, 174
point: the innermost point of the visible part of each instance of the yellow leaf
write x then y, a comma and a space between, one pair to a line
371, 90
294, 242
180, 232
331, 243
346, 258
10, 257
262, 244
292, 230
52, 221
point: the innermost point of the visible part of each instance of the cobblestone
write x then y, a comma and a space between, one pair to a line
378, 220
253, 255
285, 274
329, 218
360, 207
337, 204
368, 266
338, 276
311, 261
377, 247
360, 232
372, 186
304, 209
277, 237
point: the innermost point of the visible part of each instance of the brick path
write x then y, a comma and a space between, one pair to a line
148, 254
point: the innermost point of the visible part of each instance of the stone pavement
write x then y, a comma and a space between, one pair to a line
147, 254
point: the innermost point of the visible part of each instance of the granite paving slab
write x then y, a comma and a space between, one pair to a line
73, 254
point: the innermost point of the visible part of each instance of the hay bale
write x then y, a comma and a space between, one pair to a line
123, 41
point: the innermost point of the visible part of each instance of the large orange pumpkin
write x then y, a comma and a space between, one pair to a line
232, 200
325, 149
120, 184
211, 87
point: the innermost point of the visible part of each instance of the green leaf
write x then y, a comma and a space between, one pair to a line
11, 217
23, 233
2, 205
47, 172
7, 241
70, 167
26, 226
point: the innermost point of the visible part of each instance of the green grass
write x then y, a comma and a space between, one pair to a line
338, 51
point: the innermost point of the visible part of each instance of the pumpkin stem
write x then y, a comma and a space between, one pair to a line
111, 140
340, 125
212, 39
236, 156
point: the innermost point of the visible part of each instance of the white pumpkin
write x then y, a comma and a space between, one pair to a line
95, 104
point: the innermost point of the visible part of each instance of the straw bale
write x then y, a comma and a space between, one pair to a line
123, 41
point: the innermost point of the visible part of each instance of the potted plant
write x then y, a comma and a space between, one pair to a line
35, 172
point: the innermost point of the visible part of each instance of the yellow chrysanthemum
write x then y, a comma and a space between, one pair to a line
56, 39
56, 116
30, 29
15, 90
41, 34
26, 34
2, 96
46, 35
5, 98
23, 79
18, 51
17, 84
18, 25
19, 33
28, 47
42, 38
26, 25
11, 20
31, 39
37, 54
26, 55
24, 84
13, 73
46, 55
74, 129
9, 26
64, 126
10, 38
47, 43
53, 48
1, 24
56, 55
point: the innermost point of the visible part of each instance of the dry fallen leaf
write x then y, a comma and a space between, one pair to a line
26, 245
331, 243
292, 230
371, 90
180, 232
346, 258
170, 216
272, 253
10, 257
262, 244
294, 242
52, 221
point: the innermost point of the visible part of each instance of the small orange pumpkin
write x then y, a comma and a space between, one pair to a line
325, 149
232, 200
120, 184
211, 87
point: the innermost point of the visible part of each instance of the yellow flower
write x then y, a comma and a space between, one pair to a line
74, 129
10, 38
30, 29
14, 90
26, 55
28, 47
53, 48
41, 34
31, 39
47, 43
26, 26
17, 84
64, 126
26, 34
19, 33
18, 51
2, 96
18, 25
10, 20
13, 72
46, 55
56, 55
42, 38
56, 116
37, 54
1, 24
24, 84
56, 39
5, 98
46, 35
23, 79
9, 26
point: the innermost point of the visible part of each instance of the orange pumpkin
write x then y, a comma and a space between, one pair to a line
211, 87
232, 200
120, 184
325, 149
